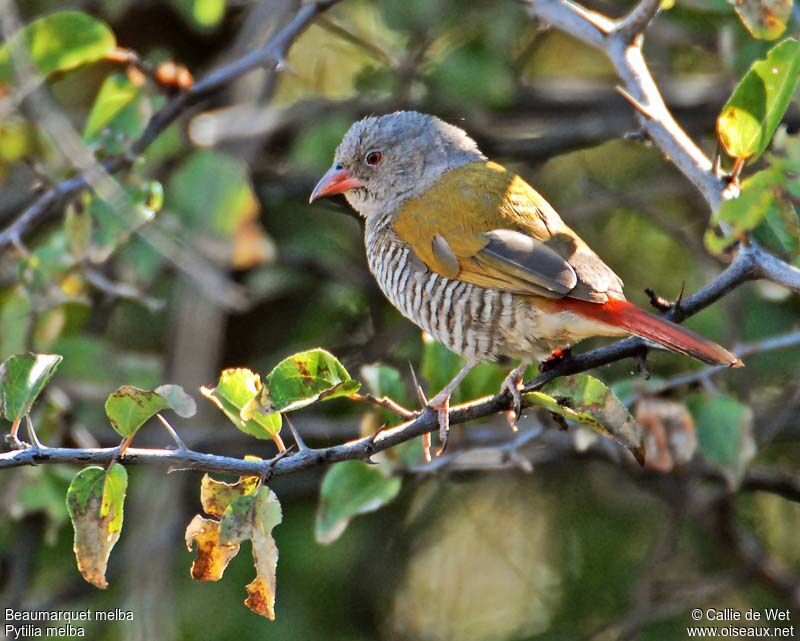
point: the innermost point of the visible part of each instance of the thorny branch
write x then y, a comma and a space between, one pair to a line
621, 41
273, 52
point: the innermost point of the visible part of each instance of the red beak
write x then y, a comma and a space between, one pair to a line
335, 181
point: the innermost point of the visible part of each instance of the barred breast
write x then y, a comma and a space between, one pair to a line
478, 323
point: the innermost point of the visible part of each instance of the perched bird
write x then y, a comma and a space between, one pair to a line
473, 255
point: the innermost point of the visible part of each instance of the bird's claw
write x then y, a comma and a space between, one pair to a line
441, 404
512, 385
558, 356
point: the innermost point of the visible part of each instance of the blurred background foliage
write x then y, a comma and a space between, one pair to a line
211, 258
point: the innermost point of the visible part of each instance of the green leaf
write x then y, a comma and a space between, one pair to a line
130, 407
203, 14
752, 114
58, 42
236, 389
762, 205
16, 315
178, 400
351, 488
95, 502
724, 432
114, 224
307, 377
119, 114
586, 400
22, 379
212, 191
764, 19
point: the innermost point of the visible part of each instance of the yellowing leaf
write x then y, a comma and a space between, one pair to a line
57, 42
129, 407
764, 19
216, 496
585, 399
212, 557
253, 517
237, 389
95, 501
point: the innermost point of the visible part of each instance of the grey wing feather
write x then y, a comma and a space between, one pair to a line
530, 260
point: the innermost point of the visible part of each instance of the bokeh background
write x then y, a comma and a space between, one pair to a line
563, 538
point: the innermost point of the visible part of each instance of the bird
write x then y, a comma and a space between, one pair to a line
472, 254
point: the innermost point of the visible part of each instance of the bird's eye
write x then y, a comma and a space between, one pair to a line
373, 157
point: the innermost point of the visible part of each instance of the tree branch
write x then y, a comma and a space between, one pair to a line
620, 42
273, 52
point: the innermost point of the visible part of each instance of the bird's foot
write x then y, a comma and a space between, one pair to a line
558, 356
441, 403
512, 384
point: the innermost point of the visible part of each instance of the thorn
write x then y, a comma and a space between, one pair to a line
638, 454
282, 66
660, 303
642, 109
423, 400
677, 305
269, 465
715, 165
637, 135
426, 447
298, 440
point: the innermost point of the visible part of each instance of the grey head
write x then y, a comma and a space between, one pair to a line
382, 161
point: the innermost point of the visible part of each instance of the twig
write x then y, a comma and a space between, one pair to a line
772, 481
623, 48
386, 403
273, 52
747, 265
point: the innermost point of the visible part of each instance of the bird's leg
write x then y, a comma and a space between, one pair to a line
441, 403
559, 355
512, 384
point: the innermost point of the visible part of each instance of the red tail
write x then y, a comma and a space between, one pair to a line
625, 315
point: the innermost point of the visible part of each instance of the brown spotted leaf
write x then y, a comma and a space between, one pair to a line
308, 377
212, 556
584, 399
764, 19
216, 496
95, 500
253, 517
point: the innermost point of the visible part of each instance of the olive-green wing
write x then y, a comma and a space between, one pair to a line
484, 225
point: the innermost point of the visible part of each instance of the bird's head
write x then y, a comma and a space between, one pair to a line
383, 161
